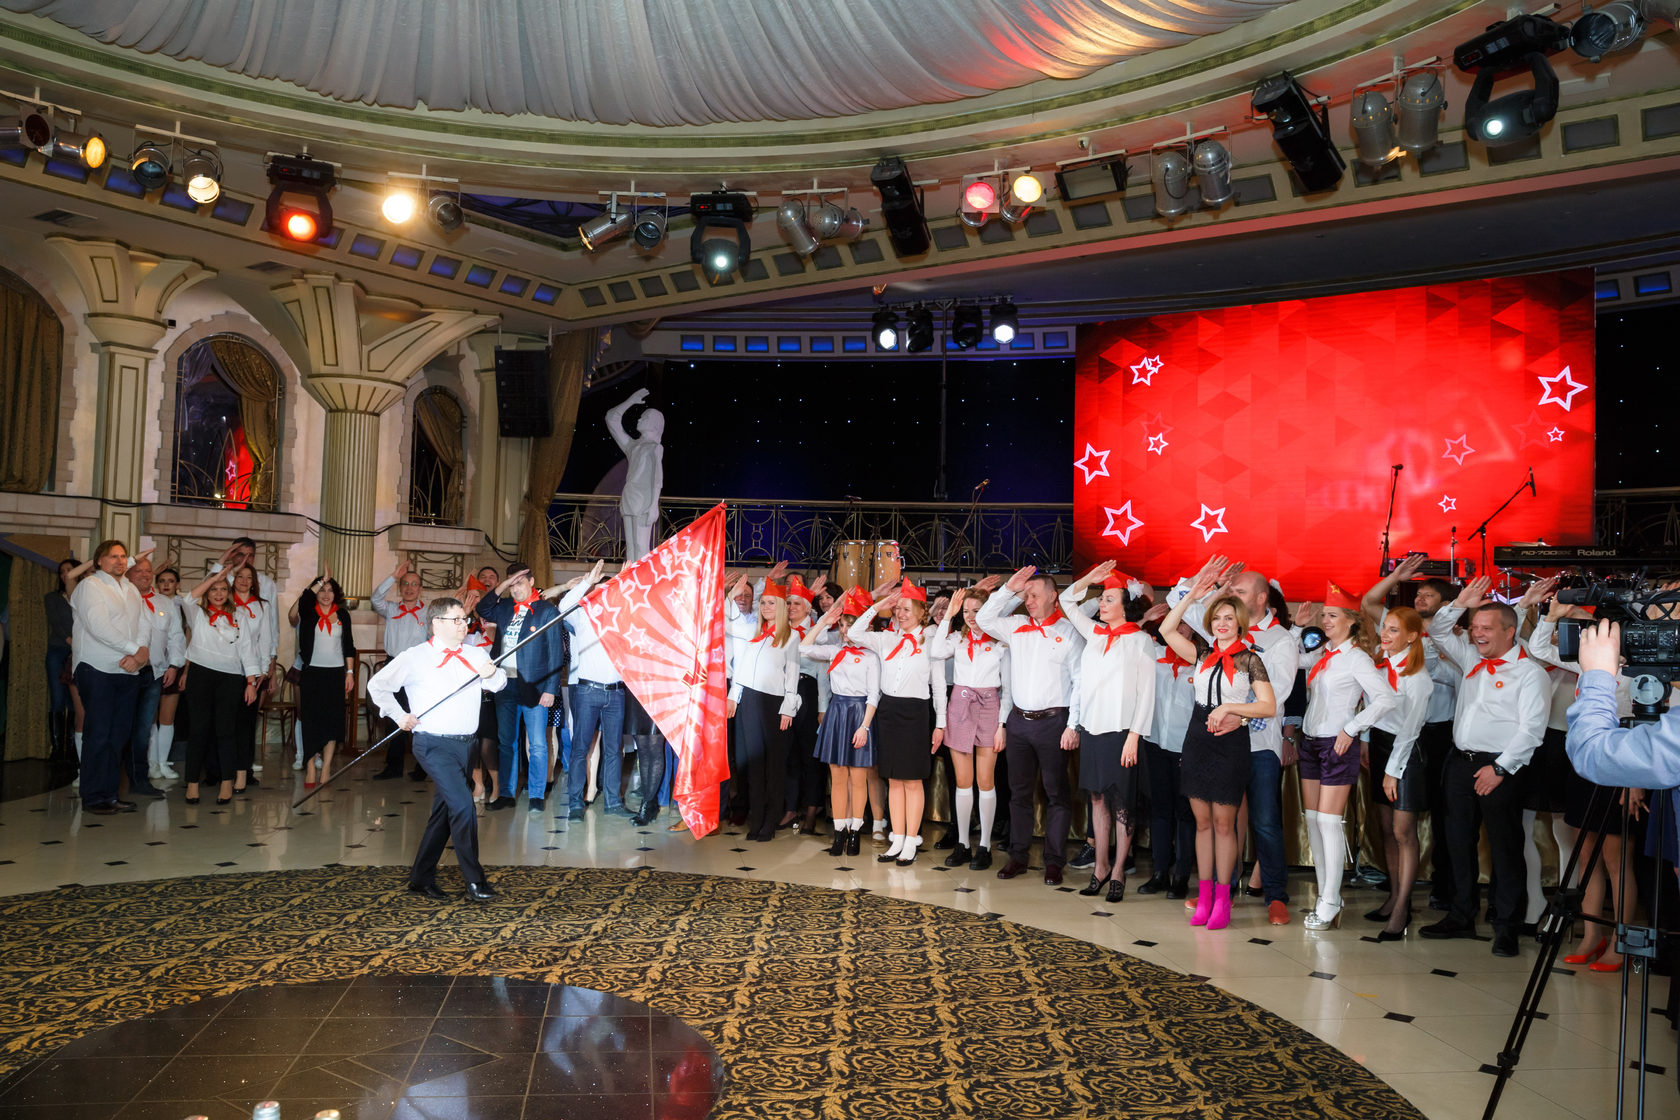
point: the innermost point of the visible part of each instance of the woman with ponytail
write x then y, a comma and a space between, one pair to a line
1402, 791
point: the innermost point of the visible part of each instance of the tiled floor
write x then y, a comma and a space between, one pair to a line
1424, 1016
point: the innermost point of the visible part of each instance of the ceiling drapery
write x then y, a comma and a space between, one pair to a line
652, 62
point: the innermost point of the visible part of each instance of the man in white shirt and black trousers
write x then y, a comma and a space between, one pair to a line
431, 673
1503, 701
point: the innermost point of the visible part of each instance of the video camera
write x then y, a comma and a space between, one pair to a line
1650, 620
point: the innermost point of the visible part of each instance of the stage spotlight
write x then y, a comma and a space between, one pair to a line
1422, 97
445, 213
830, 223
1373, 129
150, 165
1610, 28
203, 173
1301, 132
885, 328
1096, 178
790, 223
31, 130
980, 195
608, 224
901, 207
1171, 178
1501, 51
1005, 321
968, 327
1213, 172
649, 230
919, 335
399, 205
1026, 188
721, 242
298, 208
973, 219
89, 149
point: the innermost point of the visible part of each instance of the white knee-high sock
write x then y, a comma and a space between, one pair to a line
1335, 850
965, 812
78, 737
152, 770
1531, 864
165, 744
1315, 841
988, 813
1565, 837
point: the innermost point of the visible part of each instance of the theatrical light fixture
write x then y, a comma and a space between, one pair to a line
721, 242
1503, 50
1301, 132
649, 229
919, 335
605, 226
1170, 176
1422, 97
1212, 162
203, 173
29, 130
1613, 27
885, 329
1015, 210
89, 149
1005, 322
1374, 133
399, 205
980, 195
150, 165
1092, 178
1026, 188
445, 213
830, 223
968, 327
791, 224
298, 208
901, 207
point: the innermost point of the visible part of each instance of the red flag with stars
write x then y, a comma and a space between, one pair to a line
661, 623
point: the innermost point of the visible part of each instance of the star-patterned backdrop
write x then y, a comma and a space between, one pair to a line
1268, 431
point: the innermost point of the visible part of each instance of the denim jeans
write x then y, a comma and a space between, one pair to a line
140, 741
510, 716
595, 706
1265, 815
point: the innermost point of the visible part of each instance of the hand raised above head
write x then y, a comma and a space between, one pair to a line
1018, 582
988, 583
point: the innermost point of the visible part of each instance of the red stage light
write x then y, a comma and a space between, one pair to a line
980, 195
300, 225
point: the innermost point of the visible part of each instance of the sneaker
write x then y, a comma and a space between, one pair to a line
167, 772
1087, 857
536, 805
297, 764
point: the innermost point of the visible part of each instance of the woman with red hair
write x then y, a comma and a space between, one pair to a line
1403, 791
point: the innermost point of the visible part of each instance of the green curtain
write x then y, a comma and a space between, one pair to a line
31, 361
570, 359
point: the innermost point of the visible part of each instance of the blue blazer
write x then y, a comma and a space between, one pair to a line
542, 662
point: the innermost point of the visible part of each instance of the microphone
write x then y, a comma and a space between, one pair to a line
982, 484
1532, 492
1399, 466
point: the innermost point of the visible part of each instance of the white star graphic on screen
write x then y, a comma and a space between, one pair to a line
1555, 435
1124, 532
1448, 504
1464, 449
1209, 529
1146, 369
1561, 389
1099, 470
1158, 443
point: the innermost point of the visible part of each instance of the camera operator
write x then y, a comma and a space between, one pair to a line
1646, 755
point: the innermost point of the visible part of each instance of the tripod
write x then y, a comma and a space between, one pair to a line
1635, 943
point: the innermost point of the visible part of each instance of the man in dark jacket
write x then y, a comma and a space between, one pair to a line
535, 676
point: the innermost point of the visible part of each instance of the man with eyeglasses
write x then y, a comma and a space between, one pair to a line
433, 674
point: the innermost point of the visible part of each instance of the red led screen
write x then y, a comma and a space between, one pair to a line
1267, 432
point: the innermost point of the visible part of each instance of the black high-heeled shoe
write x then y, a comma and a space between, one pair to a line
1095, 886
838, 848
1117, 889
1389, 935
224, 800
854, 841
1377, 916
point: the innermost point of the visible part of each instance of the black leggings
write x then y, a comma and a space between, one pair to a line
215, 699
762, 746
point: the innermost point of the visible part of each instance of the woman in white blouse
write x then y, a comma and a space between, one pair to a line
326, 650
905, 735
763, 699
225, 665
844, 741
975, 716
1404, 788
1116, 713
257, 613
168, 584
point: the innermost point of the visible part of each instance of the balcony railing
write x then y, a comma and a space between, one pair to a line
932, 536
1638, 520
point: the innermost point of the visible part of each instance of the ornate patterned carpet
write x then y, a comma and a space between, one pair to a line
822, 1003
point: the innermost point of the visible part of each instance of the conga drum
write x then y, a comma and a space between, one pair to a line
851, 567
887, 568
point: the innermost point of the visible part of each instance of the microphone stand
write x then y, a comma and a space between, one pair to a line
1481, 530
1393, 485
968, 523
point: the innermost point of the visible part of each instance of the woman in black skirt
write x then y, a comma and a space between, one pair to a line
1403, 791
1116, 712
912, 691
1232, 688
225, 668
327, 651
844, 741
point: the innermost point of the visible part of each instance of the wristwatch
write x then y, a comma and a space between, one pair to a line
1501, 771
1243, 720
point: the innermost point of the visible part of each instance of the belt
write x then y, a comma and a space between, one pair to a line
452, 738
614, 687
1041, 713
1481, 754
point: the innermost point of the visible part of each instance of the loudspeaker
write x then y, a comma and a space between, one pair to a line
522, 394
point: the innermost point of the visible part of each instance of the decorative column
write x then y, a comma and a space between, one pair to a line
499, 487
127, 291
360, 365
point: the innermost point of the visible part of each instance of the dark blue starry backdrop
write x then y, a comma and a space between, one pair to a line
817, 430
1636, 367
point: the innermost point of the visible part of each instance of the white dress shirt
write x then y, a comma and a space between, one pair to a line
1411, 707
851, 670
816, 669
1175, 700
763, 666
428, 673
1116, 676
1566, 675
976, 661
405, 623
908, 669
259, 613
226, 647
1442, 672
1343, 675
1043, 660
1502, 711
166, 641
589, 657
109, 622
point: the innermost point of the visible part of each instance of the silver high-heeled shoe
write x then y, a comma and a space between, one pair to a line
1317, 920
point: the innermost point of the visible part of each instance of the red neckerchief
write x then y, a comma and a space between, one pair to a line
1322, 662
1393, 674
1113, 632
408, 611
763, 633
1055, 617
915, 646
217, 612
841, 656
147, 595
1489, 663
246, 603
520, 606
1227, 657
452, 655
1172, 660
973, 641
325, 619
1272, 625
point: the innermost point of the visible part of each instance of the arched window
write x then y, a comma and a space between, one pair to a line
437, 459
227, 423
31, 361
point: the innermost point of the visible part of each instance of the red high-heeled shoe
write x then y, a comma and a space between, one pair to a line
1587, 958
1606, 966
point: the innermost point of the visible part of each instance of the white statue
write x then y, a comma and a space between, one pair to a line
645, 476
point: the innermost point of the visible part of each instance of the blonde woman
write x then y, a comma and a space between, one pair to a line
845, 742
763, 700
